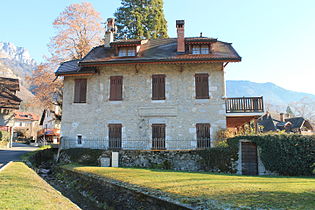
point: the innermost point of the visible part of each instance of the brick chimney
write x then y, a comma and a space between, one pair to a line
180, 36
281, 117
110, 29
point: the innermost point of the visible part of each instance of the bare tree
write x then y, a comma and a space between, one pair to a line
78, 30
304, 108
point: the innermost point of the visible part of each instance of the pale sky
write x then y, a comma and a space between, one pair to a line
274, 37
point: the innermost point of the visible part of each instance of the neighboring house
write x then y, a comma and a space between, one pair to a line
8, 102
26, 124
289, 124
151, 94
50, 126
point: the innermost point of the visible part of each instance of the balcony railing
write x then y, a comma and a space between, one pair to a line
244, 105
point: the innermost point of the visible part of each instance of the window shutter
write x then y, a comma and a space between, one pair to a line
158, 136
203, 135
114, 134
202, 86
116, 83
80, 90
158, 87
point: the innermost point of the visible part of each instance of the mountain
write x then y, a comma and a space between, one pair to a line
16, 62
272, 93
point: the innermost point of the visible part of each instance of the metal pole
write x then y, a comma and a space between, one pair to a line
11, 137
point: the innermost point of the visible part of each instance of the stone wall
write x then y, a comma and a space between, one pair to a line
175, 160
137, 112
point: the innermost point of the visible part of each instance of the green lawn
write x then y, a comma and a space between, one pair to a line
22, 188
263, 191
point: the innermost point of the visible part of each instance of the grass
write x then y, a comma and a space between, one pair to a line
235, 190
22, 188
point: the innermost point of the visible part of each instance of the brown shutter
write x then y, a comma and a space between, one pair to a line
158, 136
158, 87
202, 86
203, 135
114, 134
80, 90
116, 83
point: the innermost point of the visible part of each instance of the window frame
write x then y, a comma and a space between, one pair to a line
196, 49
202, 86
130, 51
158, 90
79, 97
203, 129
158, 142
114, 142
115, 94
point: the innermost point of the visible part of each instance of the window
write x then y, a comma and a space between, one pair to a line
114, 134
158, 87
203, 135
158, 136
127, 51
116, 83
79, 139
200, 49
202, 86
80, 91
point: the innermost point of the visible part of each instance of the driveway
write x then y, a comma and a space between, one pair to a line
14, 153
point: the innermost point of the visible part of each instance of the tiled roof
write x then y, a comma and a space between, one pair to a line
296, 122
151, 51
25, 116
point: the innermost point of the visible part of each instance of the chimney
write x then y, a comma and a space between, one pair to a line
180, 36
110, 29
281, 117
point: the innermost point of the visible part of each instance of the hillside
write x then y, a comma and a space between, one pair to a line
15, 62
272, 93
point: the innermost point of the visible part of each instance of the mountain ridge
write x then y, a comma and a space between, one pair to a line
272, 93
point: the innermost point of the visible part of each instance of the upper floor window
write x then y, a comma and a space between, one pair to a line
80, 90
200, 49
116, 83
202, 86
127, 51
158, 87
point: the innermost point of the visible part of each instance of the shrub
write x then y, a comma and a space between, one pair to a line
44, 157
4, 136
292, 155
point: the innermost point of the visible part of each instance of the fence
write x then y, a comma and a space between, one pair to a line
132, 144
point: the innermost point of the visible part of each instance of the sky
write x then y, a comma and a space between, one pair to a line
275, 38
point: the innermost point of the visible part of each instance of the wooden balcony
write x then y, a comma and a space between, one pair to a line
244, 105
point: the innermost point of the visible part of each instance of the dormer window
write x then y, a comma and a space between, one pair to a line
200, 49
126, 51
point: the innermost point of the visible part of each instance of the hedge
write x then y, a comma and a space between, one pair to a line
285, 154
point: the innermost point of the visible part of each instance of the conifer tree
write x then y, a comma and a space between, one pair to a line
141, 19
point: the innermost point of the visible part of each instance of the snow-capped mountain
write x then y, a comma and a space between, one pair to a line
19, 54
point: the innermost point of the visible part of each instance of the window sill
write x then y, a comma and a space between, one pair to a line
77, 103
158, 100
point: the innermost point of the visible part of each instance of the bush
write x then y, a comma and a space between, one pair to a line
219, 159
82, 156
292, 155
43, 157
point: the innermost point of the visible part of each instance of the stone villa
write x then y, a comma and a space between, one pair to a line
151, 94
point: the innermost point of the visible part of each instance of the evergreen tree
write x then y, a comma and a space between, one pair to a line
141, 19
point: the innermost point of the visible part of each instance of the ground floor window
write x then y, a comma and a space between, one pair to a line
114, 134
203, 135
158, 136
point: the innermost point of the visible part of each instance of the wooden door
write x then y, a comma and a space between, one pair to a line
249, 158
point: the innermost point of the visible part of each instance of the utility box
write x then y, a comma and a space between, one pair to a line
115, 158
